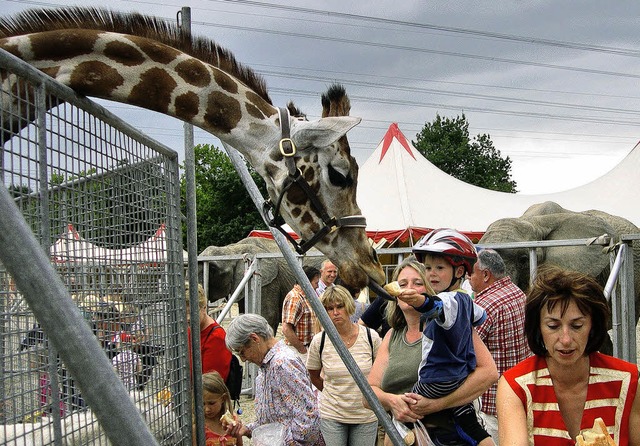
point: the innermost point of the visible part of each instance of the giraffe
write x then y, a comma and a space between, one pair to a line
147, 62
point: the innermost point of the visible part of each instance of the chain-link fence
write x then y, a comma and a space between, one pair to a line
103, 202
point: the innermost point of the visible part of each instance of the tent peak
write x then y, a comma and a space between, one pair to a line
394, 133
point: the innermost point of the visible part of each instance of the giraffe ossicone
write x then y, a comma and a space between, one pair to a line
147, 62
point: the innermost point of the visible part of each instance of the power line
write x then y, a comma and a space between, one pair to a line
447, 29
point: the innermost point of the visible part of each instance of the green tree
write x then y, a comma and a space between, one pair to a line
225, 212
446, 143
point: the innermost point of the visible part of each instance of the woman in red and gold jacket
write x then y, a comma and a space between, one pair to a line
551, 397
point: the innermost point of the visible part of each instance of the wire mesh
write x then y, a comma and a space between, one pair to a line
104, 204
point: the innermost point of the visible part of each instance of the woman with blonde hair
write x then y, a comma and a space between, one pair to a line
395, 369
343, 419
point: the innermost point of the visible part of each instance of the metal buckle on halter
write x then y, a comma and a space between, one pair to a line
287, 142
272, 212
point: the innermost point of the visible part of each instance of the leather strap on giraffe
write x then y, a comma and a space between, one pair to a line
288, 150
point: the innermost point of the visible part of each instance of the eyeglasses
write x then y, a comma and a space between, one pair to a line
240, 351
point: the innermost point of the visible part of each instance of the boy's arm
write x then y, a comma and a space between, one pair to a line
430, 305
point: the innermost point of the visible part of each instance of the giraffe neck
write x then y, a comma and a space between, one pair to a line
151, 75
143, 61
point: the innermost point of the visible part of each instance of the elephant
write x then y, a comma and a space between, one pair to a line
550, 221
276, 275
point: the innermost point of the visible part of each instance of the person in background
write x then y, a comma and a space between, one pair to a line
213, 349
448, 356
283, 386
128, 365
375, 316
297, 315
566, 316
396, 366
328, 275
503, 330
359, 307
217, 402
343, 419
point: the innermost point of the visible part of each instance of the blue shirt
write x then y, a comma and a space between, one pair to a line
447, 341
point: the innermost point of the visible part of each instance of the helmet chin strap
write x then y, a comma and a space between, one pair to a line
454, 279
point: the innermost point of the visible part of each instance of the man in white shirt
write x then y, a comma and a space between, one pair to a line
328, 275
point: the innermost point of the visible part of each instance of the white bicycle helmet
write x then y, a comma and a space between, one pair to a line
453, 246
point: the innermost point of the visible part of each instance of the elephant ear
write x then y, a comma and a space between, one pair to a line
566, 226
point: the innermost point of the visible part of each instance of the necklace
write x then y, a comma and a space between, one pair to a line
351, 337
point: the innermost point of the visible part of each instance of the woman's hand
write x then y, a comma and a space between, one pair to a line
402, 408
421, 405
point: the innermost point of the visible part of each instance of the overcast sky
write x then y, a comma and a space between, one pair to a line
554, 84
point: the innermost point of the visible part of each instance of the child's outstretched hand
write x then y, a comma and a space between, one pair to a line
411, 297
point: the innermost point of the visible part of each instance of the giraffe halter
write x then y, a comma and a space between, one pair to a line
288, 151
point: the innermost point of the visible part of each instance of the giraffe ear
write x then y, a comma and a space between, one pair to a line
321, 133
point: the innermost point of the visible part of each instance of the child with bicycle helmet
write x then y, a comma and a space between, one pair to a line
448, 356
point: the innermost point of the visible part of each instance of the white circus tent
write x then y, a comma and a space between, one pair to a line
70, 247
403, 195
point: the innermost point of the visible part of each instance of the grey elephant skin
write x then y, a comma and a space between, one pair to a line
550, 221
277, 278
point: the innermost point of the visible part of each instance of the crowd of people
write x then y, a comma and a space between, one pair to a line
494, 366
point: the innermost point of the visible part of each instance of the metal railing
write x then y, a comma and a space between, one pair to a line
92, 334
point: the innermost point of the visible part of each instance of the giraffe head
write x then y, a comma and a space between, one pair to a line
148, 62
325, 162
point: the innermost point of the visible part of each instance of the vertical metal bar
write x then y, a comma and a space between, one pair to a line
175, 293
45, 241
316, 305
616, 307
533, 264
192, 250
628, 303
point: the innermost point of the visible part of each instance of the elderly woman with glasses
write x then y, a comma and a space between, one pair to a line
283, 386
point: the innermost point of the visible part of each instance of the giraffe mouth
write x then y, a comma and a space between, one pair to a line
375, 286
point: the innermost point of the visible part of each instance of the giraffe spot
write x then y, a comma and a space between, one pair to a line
276, 156
295, 212
123, 53
154, 90
259, 103
271, 169
254, 111
194, 72
51, 71
309, 175
260, 127
307, 219
223, 112
296, 195
224, 81
156, 51
186, 106
63, 44
95, 78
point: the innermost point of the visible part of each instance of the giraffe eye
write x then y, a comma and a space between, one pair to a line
338, 179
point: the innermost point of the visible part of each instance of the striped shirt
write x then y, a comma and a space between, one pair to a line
611, 390
502, 331
341, 397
